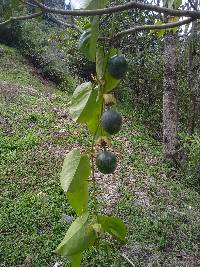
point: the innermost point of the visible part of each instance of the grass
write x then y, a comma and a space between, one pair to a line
16, 70
36, 132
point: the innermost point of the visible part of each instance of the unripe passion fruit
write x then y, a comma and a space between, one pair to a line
111, 121
106, 162
117, 67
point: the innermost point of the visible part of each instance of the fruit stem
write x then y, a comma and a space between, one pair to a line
93, 174
94, 188
92, 159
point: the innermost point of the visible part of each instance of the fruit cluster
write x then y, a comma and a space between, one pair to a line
111, 120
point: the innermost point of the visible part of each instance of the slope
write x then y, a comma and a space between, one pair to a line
36, 132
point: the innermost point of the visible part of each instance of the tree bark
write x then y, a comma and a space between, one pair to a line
170, 120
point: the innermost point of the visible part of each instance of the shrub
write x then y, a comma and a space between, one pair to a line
190, 172
32, 38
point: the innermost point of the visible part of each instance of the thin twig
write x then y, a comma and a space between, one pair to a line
67, 25
93, 174
128, 260
154, 27
28, 3
11, 19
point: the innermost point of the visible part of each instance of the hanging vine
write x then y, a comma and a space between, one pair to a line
91, 104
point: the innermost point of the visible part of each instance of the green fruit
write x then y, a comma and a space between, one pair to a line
84, 42
111, 121
117, 67
106, 162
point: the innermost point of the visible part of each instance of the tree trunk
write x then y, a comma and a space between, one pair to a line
170, 120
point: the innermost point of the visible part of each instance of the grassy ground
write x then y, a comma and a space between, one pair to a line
163, 216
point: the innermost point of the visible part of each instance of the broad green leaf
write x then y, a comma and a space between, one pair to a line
76, 170
75, 260
113, 225
74, 175
93, 38
85, 105
101, 133
100, 63
88, 40
79, 101
93, 121
84, 43
79, 199
79, 237
92, 126
110, 82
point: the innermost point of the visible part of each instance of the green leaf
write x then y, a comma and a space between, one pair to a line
88, 40
161, 32
113, 225
85, 105
177, 3
79, 101
110, 82
93, 39
79, 237
76, 169
79, 199
100, 63
84, 43
174, 30
74, 175
75, 260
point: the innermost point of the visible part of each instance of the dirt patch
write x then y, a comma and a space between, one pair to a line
10, 93
162, 258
